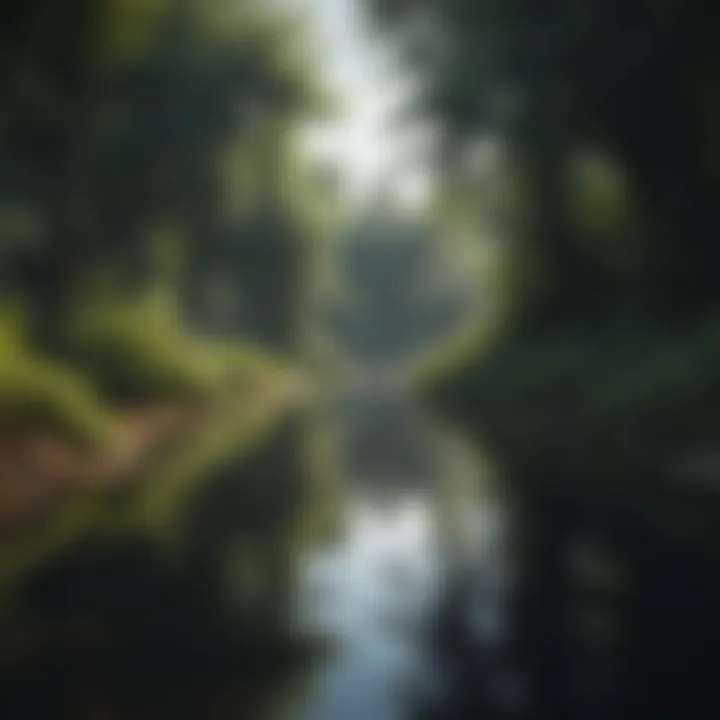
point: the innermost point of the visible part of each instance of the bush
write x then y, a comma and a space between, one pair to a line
40, 393
138, 349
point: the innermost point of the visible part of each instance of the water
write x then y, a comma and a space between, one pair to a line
419, 567
374, 594
410, 595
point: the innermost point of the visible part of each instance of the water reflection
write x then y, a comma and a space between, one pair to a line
406, 602
419, 576
374, 592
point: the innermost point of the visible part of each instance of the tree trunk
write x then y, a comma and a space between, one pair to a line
70, 237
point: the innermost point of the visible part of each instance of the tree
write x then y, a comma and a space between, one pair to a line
628, 78
120, 116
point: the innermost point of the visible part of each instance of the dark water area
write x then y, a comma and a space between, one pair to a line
462, 590
429, 592
197, 628
257, 616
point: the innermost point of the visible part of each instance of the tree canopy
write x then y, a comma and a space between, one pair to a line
121, 118
631, 81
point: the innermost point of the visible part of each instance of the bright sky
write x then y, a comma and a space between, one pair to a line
363, 141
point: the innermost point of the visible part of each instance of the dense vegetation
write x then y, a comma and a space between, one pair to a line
151, 236
607, 122
599, 388
145, 148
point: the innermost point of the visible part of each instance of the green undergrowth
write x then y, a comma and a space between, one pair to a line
135, 352
114, 353
139, 350
131, 352
38, 392
148, 506
638, 404
606, 379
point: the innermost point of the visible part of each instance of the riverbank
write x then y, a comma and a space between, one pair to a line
57, 496
165, 590
604, 445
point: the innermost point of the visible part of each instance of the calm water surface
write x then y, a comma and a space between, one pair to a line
386, 592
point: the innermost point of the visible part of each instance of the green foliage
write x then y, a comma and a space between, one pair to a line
646, 382
628, 79
41, 394
661, 376
120, 115
139, 349
606, 115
